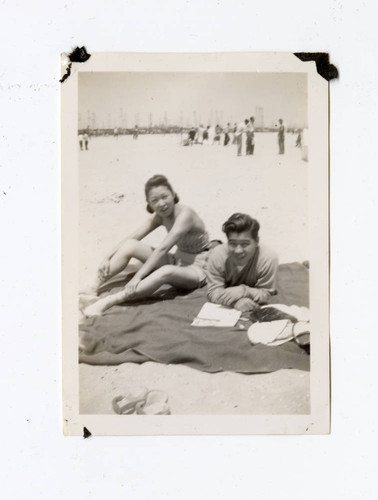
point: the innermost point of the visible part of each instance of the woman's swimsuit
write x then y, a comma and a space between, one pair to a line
192, 250
193, 242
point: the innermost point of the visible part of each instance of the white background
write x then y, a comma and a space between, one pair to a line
37, 461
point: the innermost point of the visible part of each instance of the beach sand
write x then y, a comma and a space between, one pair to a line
213, 180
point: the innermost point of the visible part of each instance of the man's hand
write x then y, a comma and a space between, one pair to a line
246, 305
228, 297
231, 295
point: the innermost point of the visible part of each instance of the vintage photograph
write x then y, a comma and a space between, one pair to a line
195, 244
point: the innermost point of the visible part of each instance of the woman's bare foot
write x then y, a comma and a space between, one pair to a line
105, 303
85, 300
89, 290
97, 308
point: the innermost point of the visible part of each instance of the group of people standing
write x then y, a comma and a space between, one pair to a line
242, 134
245, 130
83, 141
202, 135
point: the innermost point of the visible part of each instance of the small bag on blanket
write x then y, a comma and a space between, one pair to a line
274, 325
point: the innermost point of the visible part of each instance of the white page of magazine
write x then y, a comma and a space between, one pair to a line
216, 315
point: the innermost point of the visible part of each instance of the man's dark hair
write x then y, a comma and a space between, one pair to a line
239, 223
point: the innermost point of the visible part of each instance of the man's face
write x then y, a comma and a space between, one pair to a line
241, 247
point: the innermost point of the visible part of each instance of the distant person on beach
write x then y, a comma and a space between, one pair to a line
115, 132
227, 130
206, 135
81, 139
239, 136
86, 139
233, 130
184, 137
241, 273
200, 134
281, 137
211, 132
192, 135
136, 132
298, 143
217, 136
183, 270
250, 130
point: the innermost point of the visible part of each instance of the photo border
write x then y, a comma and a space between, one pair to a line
318, 421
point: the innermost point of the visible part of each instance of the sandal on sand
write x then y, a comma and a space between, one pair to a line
156, 403
125, 405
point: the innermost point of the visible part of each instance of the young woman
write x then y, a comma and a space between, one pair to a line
183, 270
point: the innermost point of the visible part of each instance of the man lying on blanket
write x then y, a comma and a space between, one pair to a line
241, 273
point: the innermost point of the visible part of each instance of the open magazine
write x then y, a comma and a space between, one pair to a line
216, 315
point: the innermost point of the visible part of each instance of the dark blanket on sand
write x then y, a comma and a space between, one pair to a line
159, 330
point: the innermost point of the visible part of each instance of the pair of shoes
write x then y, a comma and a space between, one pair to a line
156, 403
142, 402
125, 405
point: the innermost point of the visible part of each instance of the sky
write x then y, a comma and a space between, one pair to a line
125, 99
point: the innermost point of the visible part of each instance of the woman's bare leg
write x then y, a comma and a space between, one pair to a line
119, 261
183, 278
130, 249
180, 277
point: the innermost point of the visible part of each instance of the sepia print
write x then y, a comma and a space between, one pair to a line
195, 245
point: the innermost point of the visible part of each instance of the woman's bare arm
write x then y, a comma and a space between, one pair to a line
143, 230
181, 226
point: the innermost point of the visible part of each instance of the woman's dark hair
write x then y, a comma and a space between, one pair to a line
239, 223
155, 181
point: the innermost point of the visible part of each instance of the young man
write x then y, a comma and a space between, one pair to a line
241, 273
226, 134
281, 137
239, 135
250, 129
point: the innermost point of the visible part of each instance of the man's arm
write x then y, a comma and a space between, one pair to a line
217, 292
266, 283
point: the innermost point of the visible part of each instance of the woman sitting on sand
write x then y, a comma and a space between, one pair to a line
183, 270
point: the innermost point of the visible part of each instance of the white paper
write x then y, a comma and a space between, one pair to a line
216, 315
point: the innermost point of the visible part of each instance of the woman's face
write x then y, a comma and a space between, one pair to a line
161, 200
